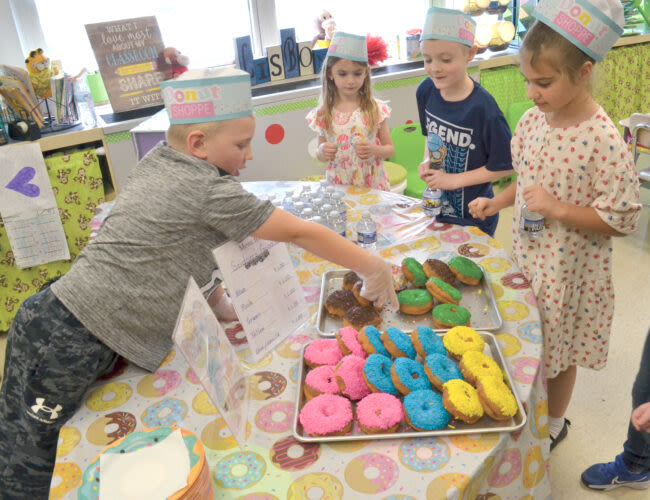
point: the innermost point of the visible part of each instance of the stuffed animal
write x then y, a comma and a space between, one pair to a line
176, 60
40, 73
326, 26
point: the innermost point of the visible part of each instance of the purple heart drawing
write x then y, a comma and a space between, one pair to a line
21, 184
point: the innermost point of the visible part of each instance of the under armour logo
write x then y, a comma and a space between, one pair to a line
39, 406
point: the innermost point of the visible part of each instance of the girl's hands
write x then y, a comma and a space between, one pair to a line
365, 149
480, 208
539, 200
327, 151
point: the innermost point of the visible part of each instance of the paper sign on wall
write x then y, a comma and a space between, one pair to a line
207, 350
29, 209
265, 291
130, 57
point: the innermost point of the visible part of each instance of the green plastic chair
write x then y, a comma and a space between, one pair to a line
515, 111
409, 151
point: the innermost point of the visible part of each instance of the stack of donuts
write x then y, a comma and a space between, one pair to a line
381, 380
348, 304
435, 280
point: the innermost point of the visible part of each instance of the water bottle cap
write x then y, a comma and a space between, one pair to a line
333, 213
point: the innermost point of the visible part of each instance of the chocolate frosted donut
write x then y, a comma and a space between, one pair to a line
350, 279
435, 268
340, 301
358, 317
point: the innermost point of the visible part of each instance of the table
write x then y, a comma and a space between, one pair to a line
499, 465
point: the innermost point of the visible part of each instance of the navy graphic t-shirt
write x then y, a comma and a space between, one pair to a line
470, 134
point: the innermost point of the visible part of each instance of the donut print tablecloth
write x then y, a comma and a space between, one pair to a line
276, 466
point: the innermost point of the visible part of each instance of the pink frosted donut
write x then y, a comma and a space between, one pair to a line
525, 370
321, 380
455, 236
323, 352
348, 339
349, 376
275, 417
327, 414
380, 412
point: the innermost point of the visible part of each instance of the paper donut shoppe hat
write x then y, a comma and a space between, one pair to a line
591, 25
208, 95
448, 24
348, 46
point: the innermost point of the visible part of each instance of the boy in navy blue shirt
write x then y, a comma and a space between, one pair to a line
461, 119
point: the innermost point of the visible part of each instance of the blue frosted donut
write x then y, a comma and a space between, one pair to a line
408, 376
426, 342
441, 369
376, 373
370, 339
424, 410
398, 343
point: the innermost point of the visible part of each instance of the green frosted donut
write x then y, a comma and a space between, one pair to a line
419, 278
466, 267
414, 297
451, 314
447, 288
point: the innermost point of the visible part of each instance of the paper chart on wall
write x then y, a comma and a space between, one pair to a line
207, 350
29, 209
265, 291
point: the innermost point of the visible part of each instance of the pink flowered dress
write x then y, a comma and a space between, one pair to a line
569, 269
347, 167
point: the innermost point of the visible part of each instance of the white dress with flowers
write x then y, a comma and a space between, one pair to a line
570, 269
347, 167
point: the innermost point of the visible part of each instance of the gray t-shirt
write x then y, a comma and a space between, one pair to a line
127, 286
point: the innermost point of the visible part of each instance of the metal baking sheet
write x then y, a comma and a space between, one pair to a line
479, 300
485, 424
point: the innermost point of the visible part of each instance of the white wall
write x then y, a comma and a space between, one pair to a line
21, 31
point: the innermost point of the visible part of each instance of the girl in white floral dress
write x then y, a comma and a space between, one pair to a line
353, 135
575, 170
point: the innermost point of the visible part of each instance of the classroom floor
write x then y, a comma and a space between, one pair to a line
601, 403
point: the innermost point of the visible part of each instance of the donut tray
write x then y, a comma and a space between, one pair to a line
479, 300
456, 427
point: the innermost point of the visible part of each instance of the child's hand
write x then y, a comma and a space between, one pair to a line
439, 179
538, 200
423, 169
222, 306
365, 149
480, 208
378, 283
641, 417
327, 151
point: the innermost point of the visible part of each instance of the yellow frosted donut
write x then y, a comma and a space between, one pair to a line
356, 190
70, 475
496, 397
512, 344
328, 484
202, 404
475, 364
445, 483
461, 401
370, 199
532, 478
461, 339
495, 264
483, 443
512, 310
69, 437
98, 399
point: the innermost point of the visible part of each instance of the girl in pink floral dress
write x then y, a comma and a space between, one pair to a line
575, 170
353, 135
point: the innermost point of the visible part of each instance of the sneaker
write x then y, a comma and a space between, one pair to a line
565, 429
611, 475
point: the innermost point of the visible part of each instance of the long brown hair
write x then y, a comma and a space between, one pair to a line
329, 92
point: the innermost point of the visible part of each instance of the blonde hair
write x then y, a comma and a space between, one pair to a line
329, 92
567, 58
177, 134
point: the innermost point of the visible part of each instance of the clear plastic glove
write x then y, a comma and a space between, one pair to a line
222, 306
378, 283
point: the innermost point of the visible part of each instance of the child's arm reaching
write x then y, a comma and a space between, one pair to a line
383, 150
481, 208
539, 200
321, 241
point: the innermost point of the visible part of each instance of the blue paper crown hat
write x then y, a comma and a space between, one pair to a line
348, 46
208, 95
448, 24
591, 25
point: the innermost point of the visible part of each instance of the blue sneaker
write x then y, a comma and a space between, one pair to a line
612, 475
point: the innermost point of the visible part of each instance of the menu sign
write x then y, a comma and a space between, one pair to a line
130, 57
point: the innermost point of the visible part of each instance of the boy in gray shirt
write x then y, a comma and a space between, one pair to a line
123, 292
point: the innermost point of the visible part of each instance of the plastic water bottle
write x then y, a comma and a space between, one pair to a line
335, 222
325, 209
85, 104
367, 232
531, 223
307, 214
432, 198
340, 205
